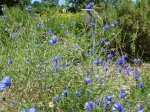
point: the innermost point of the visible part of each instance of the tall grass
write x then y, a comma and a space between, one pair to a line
27, 58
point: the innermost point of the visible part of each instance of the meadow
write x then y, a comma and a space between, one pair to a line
56, 63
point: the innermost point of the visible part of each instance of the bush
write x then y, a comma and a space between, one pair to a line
135, 24
133, 32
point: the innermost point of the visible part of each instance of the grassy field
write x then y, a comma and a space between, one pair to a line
55, 63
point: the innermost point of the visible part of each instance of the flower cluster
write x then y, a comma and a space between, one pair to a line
118, 107
6, 82
53, 40
89, 105
86, 84
107, 27
33, 109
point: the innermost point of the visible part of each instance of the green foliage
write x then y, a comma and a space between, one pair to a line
34, 80
9, 2
135, 35
50, 2
14, 2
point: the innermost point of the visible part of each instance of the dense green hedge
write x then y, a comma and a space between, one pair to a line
134, 24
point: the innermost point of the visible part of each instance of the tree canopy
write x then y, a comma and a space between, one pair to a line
13, 2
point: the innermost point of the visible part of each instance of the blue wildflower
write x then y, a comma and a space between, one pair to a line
128, 69
56, 68
29, 8
107, 99
91, 24
76, 45
4, 17
87, 80
50, 31
33, 109
106, 68
122, 93
106, 27
98, 62
56, 98
118, 107
119, 69
89, 105
103, 49
135, 69
120, 61
128, 101
107, 43
90, 5
6, 80
53, 40
114, 23
126, 72
73, 23
109, 60
140, 108
109, 56
141, 84
2, 86
136, 60
25, 110
67, 64
98, 102
126, 65
126, 56
136, 75
64, 92
14, 35
116, 53
10, 61
56, 58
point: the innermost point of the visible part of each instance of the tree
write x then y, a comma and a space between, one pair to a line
50, 2
55, 2
10, 3
37, 4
